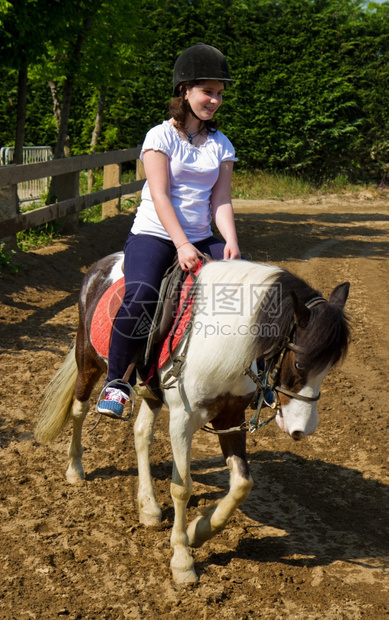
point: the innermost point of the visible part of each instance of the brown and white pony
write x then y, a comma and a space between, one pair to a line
243, 312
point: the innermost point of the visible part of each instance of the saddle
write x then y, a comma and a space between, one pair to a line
167, 307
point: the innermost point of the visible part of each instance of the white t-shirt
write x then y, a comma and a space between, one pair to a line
193, 173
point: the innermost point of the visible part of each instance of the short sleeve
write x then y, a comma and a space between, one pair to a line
157, 139
227, 149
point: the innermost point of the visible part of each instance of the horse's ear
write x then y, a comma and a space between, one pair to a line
300, 311
339, 294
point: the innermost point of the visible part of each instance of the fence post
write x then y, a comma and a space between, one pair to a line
140, 170
9, 207
139, 174
68, 186
112, 178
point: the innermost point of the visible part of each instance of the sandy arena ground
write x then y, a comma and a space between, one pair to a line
311, 542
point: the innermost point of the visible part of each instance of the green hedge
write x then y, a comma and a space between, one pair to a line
311, 92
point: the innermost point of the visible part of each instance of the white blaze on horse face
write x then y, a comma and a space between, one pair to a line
300, 418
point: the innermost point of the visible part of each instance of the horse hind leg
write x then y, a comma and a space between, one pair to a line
75, 470
86, 380
213, 519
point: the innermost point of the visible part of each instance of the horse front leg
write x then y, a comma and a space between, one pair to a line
213, 519
181, 434
149, 512
75, 470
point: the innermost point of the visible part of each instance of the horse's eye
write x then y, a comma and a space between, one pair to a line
298, 366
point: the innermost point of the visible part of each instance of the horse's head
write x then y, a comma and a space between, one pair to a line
319, 340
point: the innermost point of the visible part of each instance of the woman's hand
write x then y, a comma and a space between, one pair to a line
188, 256
232, 250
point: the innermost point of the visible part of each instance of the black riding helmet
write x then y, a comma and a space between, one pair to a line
200, 62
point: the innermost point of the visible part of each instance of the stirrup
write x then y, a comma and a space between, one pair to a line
112, 414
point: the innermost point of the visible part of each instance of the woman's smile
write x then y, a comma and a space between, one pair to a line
205, 98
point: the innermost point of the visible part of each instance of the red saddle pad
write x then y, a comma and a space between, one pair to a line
107, 309
104, 316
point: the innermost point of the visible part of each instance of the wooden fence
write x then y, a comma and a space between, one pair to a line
69, 202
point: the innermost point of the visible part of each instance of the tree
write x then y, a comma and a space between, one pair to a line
95, 52
367, 58
19, 45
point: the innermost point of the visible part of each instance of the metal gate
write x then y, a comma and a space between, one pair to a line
29, 190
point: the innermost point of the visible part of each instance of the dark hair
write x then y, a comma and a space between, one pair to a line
179, 108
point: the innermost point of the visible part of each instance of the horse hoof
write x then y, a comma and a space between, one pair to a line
150, 520
73, 476
199, 530
193, 539
150, 513
185, 577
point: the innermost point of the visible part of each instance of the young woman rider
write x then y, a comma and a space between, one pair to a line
188, 165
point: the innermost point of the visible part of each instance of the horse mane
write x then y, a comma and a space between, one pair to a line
274, 316
327, 346
326, 337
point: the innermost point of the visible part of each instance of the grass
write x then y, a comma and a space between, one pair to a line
259, 185
9, 266
39, 236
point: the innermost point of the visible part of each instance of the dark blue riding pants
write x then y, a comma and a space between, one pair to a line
146, 258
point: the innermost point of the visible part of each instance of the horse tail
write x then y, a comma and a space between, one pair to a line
58, 400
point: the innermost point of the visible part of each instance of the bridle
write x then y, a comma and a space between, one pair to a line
267, 381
